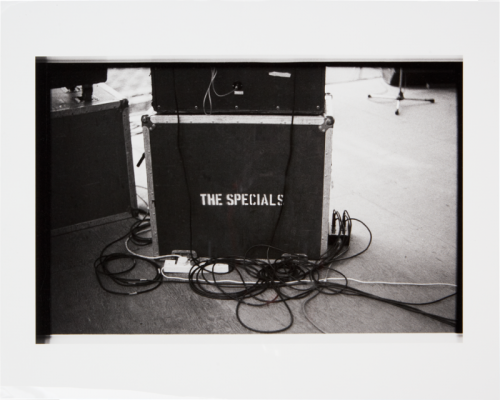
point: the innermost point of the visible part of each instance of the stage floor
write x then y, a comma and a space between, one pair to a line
398, 174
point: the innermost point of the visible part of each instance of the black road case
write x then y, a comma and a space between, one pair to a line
91, 168
220, 184
280, 89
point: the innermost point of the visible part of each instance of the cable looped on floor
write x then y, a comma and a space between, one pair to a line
262, 283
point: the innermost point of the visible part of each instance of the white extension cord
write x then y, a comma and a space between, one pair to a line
182, 265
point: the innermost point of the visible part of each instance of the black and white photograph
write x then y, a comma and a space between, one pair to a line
206, 198
250, 199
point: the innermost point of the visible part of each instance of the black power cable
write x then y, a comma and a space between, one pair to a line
102, 263
289, 277
179, 148
290, 152
291, 272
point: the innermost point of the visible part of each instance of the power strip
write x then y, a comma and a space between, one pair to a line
182, 265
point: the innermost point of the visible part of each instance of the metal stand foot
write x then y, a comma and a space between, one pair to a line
400, 97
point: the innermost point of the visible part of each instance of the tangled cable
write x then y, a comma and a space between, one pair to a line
260, 283
104, 265
211, 86
290, 277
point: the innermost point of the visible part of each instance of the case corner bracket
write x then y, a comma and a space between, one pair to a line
327, 124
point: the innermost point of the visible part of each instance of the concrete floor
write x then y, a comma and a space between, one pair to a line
398, 174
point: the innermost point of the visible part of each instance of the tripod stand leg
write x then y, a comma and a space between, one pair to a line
400, 97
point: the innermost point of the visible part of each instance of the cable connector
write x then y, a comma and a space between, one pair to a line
185, 253
182, 265
238, 88
334, 239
